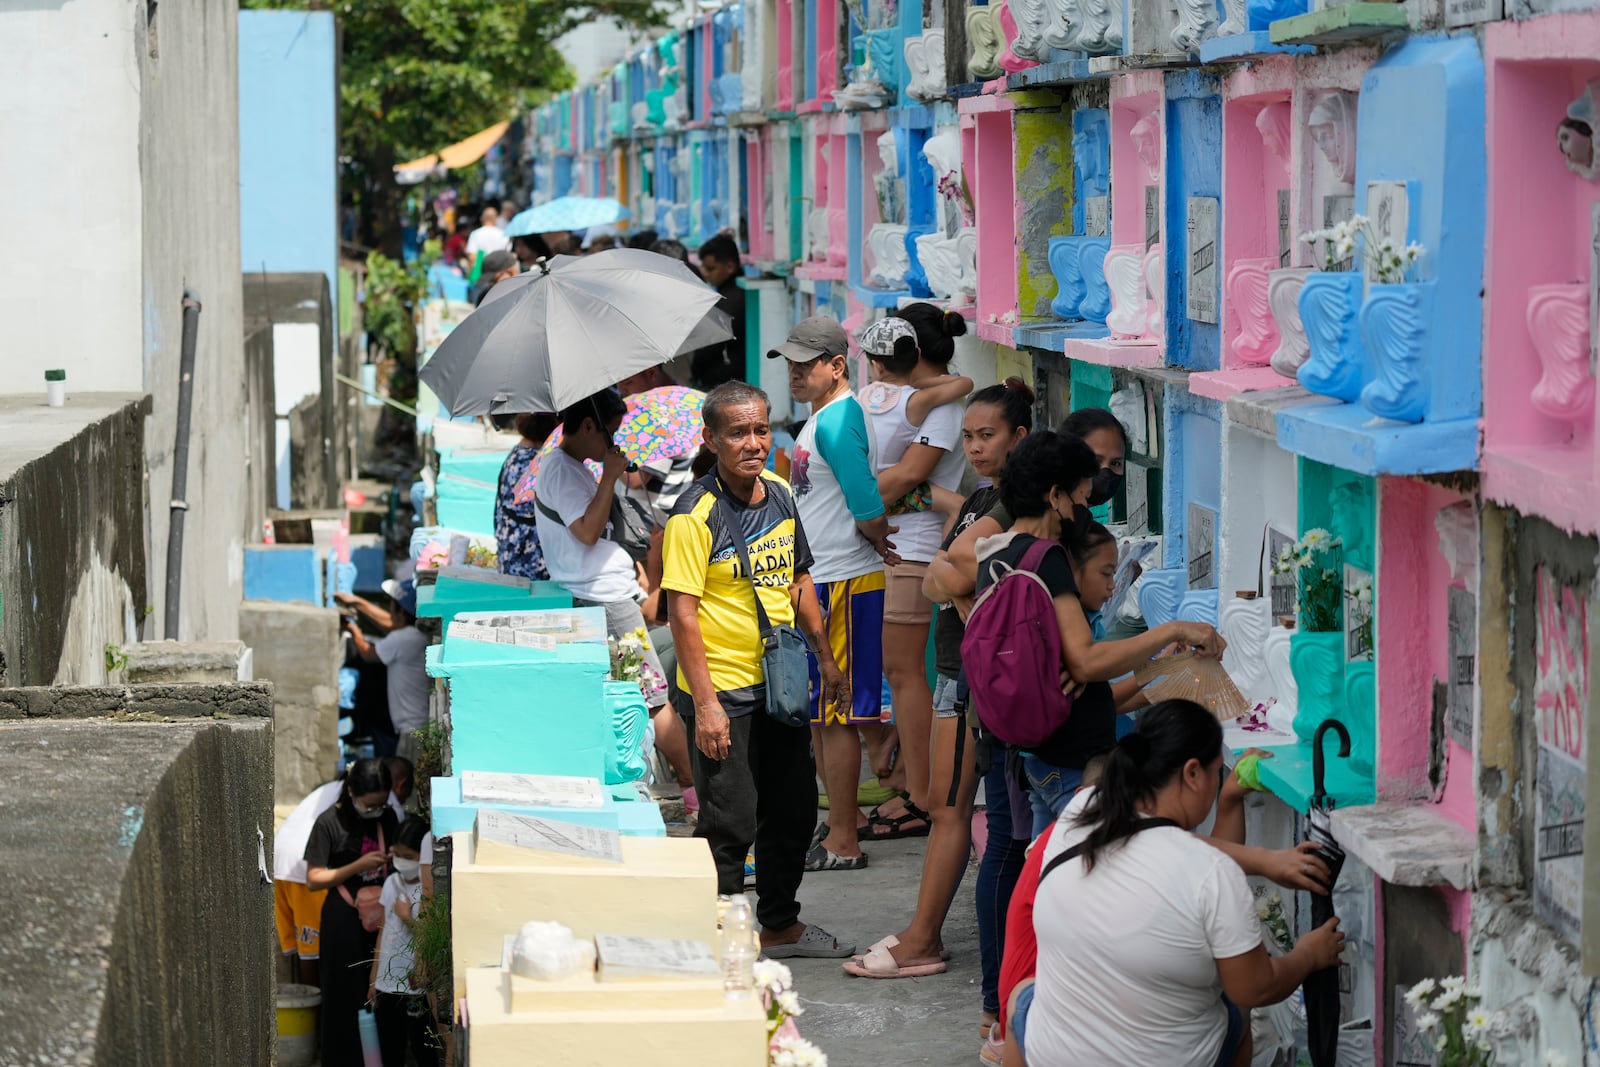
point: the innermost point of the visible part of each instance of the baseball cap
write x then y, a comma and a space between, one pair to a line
878, 338
811, 338
403, 593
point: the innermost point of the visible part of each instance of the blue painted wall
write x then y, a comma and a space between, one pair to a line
1194, 154
288, 143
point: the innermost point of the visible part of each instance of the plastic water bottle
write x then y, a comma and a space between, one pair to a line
738, 948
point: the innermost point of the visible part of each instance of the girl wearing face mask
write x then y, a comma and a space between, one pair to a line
348, 851
401, 1008
1045, 489
1105, 436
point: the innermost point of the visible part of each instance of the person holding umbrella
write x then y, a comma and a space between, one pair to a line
576, 531
1149, 946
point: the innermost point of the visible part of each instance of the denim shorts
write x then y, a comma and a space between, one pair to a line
946, 698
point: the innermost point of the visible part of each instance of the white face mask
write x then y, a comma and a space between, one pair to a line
410, 870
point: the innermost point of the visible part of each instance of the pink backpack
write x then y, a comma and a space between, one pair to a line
1011, 654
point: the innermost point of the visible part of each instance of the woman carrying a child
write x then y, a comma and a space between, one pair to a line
913, 406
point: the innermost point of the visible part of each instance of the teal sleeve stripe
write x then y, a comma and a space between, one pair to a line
842, 443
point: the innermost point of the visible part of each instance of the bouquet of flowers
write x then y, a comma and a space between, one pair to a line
785, 1047
1314, 561
1449, 1013
952, 186
627, 655
1388, 262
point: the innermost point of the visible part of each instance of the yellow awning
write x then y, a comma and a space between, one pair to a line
462, 153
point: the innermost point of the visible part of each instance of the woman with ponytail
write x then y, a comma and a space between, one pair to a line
996, 419
1149, 946
913, 407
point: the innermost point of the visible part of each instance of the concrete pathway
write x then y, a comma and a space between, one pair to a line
910, 1022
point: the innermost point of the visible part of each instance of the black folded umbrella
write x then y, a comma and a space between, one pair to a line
1322, 987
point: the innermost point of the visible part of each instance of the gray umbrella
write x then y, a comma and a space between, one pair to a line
546, 339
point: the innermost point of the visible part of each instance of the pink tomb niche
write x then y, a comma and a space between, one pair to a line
785, 20
1428, 545
1134, 266
1263, 341
1540, 453
986, 150
757, 149
827, 216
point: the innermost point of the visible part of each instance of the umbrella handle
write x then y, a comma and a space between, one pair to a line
1319, 792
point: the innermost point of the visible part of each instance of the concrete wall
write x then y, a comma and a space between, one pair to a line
297, 648
136, 939
189, 152
289, 142
121, 134
72, 535
71, 101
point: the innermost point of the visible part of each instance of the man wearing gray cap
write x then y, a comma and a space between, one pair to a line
831, 474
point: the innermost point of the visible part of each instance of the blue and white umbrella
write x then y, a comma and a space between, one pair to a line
566, 213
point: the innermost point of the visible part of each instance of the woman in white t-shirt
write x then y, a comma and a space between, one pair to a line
915, 411
575, 532
1149, 946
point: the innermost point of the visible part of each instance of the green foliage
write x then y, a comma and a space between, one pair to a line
430, 941
430, 763
116, 658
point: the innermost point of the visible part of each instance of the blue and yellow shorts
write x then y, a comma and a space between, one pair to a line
852, 617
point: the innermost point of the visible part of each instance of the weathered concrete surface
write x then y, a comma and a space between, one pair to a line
139, 703
205, 662
910, 1022
72, 534
1407, 844
1529, 972
188, 91
138, 928
297, 647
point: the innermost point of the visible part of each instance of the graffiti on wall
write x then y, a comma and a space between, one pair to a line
1561, 694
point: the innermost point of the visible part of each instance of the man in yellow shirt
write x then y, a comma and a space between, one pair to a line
755, 776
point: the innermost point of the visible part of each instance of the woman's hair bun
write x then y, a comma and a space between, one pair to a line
954, 324
1135, 746
1016, 385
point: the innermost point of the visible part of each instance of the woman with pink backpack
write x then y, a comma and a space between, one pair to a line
1046, 487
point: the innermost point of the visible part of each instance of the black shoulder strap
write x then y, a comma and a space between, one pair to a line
1077, 850
736, 535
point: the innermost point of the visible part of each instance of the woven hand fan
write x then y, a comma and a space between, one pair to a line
1186, 676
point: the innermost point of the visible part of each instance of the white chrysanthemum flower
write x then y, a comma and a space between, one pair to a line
1453, 984
1344, 247
772, 976
789, 1004
1316, 538
1479, 1019
797, 1052
1440, 1042
1447, 1000
1427, 1022
1418, 994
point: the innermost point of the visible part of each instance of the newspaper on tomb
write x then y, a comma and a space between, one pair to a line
623, 956
529, 629
547, 835
532, 790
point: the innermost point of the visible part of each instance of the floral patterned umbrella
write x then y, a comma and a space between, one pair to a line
660, 425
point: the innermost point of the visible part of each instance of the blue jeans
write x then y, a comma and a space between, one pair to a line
997, 877
1050, 789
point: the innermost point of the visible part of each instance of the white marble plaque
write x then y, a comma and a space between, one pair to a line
1463, 620
621, 956
1152, 415
532, 790
1336, 209
1389, 212
1152, 216
1200, 539
545, 835
1136, 488
1285, 230
1097, 216
1281, 587
1459, 13
1357, 616
1201, 291
1558, 845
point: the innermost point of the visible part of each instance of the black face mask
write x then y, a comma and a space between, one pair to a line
1104, 487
